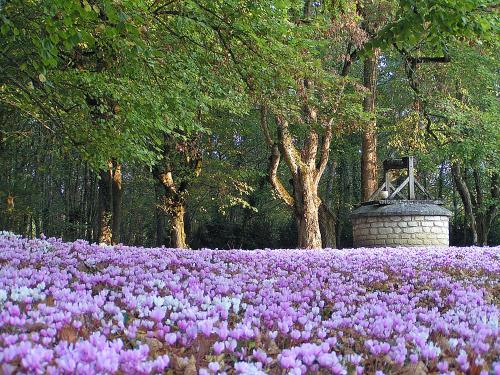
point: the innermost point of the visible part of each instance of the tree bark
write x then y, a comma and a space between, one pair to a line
306, 207
484, 215
178, 234
9, 213
173, 205
117, 193
369, 144
463, 191
105, 207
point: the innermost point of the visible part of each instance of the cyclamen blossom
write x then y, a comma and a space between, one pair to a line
157, 314
171, 338
70, 308
218, 347
214, 366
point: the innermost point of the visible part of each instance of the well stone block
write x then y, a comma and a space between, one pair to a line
403, 223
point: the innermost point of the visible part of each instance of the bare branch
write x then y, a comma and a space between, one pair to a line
420, 60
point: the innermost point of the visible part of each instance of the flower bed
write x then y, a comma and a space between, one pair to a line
85, 309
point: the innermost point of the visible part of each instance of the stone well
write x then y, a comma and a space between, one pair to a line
400, 223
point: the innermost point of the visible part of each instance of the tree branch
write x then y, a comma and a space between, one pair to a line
310, 150
420, 60
291, 154
265, 126
274, 162
325, 151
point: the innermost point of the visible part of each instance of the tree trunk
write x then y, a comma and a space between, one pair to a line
485, 212
369, 144
463, 191
482, 230
9, 213
306, 207
105, 207
117, 192
177, 233
175, 191
305, 172
173, 205
327, 226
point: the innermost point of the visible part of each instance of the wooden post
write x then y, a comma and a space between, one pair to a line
388, 181
411, 176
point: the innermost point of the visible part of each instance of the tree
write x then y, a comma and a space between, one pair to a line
180, 165
369, 180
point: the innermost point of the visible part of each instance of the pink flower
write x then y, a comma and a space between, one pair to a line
218, 347
157, 314
171, 338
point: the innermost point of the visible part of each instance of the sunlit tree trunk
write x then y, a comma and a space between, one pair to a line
369, 144
105, 206
117, 192
9, 213
173, 205
307, 204
178, 232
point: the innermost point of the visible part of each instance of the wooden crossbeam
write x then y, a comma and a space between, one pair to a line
408, 163
422, 189
391, 186
399, 188
374, 195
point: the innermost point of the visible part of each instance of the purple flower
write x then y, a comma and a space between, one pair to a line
171, 338
295, 334
157, 314
218, 347
291, 307
287, 362
214, 366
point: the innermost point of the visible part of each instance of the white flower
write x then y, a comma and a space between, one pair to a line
3, 296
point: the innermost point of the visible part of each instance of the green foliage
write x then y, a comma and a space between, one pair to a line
84, 82
434, 24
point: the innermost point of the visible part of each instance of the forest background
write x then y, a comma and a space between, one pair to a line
242, 124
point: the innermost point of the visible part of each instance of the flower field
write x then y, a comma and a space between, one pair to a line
76, 308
